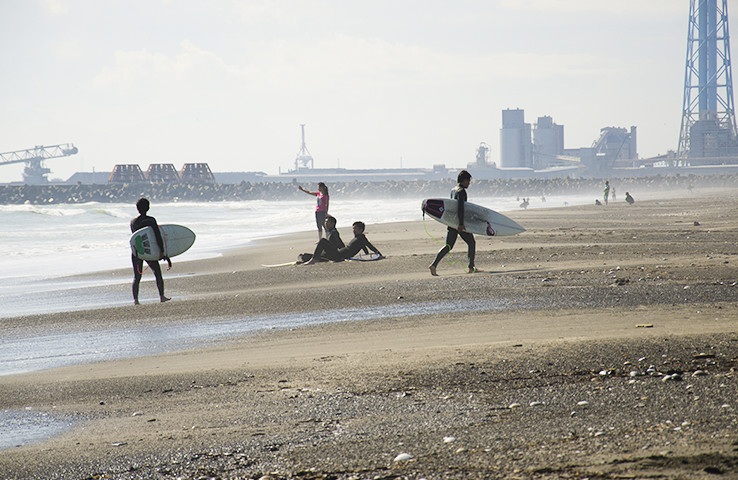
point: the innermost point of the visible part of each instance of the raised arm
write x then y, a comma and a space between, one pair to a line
306, 191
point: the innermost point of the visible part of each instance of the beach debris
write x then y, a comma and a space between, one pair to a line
675, 377
403, 457
460, 450
606, 373
699, 373
703, 355
536, 403
119, 444
583, 403
634, 373
136, 414
513, 405
644, 325
449, 439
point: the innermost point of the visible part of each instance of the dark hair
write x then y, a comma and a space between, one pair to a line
142, 205
360, 225
331, 218
324, 186
463, 175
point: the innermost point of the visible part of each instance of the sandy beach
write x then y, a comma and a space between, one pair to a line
601, 343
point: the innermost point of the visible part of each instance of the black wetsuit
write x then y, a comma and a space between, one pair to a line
458, 193
335, 238
137, 224
327, 250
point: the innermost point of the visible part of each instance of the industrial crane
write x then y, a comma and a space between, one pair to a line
35, 172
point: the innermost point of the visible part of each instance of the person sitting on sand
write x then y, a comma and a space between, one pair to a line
325, 249
629, 199
138, 223
334, 238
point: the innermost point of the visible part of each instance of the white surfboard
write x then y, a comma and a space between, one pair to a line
366, 257
478, 220
177, 240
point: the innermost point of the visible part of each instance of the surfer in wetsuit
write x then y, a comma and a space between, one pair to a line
326, 249
459, 193
331, 234
138, 223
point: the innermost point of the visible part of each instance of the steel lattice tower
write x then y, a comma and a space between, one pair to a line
708, 127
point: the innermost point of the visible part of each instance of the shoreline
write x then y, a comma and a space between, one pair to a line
589, 294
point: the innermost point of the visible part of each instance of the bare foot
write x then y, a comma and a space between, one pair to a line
165, 299
432, 269
135, 302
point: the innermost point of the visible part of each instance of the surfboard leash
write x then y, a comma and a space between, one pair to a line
448, 255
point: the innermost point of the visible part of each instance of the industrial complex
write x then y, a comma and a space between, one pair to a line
708, 141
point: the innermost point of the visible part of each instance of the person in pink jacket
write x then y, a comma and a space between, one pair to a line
321, 208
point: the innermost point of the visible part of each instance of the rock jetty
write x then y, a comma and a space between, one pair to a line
210, 192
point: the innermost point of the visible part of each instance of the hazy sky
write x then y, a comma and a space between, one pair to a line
378, 83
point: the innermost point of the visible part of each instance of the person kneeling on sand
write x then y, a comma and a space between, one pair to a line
629, 199
326, 249
334, 238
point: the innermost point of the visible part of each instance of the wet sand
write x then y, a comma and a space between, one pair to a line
608, 350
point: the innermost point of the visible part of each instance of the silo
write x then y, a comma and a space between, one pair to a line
515, 140
548, 141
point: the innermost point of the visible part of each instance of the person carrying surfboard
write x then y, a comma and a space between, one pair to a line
143, 220
321, 207
326, 249
459, 193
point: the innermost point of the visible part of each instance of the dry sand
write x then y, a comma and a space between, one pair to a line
607, 349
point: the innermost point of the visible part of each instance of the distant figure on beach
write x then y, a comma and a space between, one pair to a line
138, 223
326, 249
459, 193
524, 204
333, 237
629, 199
614, 197
606, 191
597, 202
321, 207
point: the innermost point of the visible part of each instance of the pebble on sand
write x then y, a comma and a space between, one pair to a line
403, 457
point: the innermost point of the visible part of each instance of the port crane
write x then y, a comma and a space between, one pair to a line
35, 171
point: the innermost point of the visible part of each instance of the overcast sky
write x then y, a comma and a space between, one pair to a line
378, 83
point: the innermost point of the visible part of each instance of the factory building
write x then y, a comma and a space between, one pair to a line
524, 147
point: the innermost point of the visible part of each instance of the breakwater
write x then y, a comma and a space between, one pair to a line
203, 192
